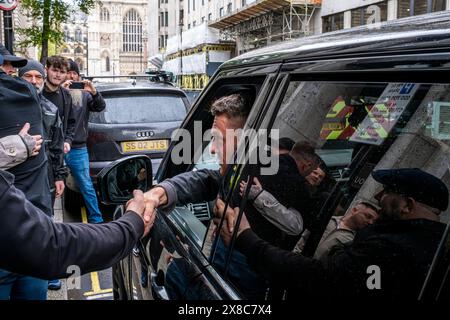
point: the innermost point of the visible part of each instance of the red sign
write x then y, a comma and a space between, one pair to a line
7, 5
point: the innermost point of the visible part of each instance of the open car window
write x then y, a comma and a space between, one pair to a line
193, 219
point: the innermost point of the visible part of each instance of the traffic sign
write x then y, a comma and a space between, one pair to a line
7, 5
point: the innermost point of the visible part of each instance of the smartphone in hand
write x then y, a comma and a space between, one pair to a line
77, 85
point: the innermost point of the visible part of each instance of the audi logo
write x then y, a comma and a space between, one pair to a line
145, 134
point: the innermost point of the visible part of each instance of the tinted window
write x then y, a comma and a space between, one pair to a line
355, 128
122, 109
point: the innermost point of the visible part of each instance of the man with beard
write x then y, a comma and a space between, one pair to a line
401, 244
34, 73
84, 101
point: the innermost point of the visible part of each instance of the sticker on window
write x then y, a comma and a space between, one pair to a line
383, 116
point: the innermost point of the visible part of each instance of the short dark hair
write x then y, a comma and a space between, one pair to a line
234, 106
305, 150
286, 143
57, 62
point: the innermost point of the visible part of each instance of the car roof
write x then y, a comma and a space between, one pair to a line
414, 33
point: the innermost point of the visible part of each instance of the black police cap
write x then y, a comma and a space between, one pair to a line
415, 183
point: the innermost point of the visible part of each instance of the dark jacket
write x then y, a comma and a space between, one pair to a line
90, 103
204, 185
54, 141
290, 189
19, 103
403, 250
62, 99
32, 244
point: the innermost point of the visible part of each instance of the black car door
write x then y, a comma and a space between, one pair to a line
172, 262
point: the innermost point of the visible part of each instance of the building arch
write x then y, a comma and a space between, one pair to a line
79, 50
106, 61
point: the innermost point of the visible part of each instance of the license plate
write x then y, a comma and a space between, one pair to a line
145, 145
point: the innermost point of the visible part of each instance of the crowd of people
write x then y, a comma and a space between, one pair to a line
44, 127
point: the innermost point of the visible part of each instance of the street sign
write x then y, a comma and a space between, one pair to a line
8, 5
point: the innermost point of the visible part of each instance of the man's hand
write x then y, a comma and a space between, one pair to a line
66, 147
138, 204
255, 189
89, 87
219, 207
59, 185
37, 139
226, 233
66, 84
155, 197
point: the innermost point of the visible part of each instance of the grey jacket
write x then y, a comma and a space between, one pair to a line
191, 187
15, 150
287, 220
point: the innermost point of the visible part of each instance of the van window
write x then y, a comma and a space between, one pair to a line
354, 128
399, 124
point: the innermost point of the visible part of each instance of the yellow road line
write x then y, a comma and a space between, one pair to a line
83, 215
92, 293
95, 282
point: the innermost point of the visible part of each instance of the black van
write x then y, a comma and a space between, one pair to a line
367, 98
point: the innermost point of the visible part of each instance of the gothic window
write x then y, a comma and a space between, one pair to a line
66, 34
104, 14
132, 32
78, 35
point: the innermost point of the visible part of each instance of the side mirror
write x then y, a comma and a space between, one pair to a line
119, 179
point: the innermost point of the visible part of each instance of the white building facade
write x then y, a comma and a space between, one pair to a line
117, 38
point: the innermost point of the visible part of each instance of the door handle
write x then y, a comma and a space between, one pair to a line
160, 291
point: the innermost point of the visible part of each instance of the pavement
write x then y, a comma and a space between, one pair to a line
62, 293
93, 286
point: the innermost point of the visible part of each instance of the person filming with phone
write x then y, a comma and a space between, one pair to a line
85, 100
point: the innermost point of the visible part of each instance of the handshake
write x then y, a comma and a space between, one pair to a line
145, 207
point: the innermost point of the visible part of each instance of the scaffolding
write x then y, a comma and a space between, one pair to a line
265, 21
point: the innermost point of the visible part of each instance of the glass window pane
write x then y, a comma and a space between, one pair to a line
438, 5
420, 7
404, 9
140, 109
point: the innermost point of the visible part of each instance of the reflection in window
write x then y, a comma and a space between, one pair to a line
369, 14
408, 8
333, 22
396, 123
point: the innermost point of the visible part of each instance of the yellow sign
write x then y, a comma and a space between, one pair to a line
145, 145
